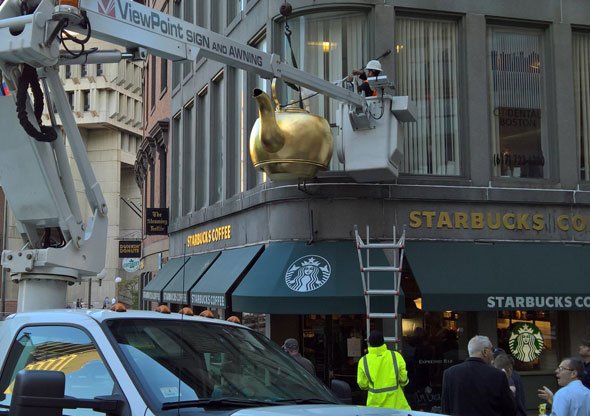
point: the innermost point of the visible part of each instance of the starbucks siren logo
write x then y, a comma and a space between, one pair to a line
526, 342
308, 273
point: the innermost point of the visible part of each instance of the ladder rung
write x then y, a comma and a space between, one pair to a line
382, 292
390, 339
380, 269
380, 245
382, 315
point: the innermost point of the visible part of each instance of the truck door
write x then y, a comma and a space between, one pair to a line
59, 348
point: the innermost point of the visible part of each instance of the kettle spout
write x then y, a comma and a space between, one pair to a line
271, 136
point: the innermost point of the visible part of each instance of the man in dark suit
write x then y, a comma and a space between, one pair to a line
474, 387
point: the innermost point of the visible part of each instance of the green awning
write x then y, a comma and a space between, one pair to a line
212, 290
153, 290
176, 291
469, 276
331, 283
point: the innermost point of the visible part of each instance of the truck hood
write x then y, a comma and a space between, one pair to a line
326, 410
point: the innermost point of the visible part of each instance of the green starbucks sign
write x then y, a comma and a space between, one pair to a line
526, 342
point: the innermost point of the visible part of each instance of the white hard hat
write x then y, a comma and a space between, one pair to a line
374, 64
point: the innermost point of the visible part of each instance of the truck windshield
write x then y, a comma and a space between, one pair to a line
188, 363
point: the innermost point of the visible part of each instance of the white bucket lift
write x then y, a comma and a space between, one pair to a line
373, 152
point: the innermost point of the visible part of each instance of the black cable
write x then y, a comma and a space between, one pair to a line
30, 78
65, 36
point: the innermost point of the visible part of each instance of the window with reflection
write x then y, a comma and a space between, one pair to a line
427, 59
530, 338
517, 102
59, 348
581, 64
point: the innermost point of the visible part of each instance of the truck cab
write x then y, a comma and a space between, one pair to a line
146, 363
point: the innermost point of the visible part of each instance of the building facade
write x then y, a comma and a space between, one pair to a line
492, 191
152, 167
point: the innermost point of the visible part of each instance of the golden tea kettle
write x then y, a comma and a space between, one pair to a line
289, 144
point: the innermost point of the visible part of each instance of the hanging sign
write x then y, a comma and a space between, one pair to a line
129, 249
131, 264
156, 221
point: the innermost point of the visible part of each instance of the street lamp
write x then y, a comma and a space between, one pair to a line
117, 281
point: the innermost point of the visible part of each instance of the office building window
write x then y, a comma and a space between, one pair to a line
202, 150
329, 45
163, 74
174, 168
233, 10
188, 15
99, 69
217, 138
152, 75
254, 177
188, 167
426, 71
176, 66
517, 102
581, 51
86, 100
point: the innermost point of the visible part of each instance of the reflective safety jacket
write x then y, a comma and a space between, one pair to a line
383, 373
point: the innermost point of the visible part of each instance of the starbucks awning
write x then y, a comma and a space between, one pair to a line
320, 278
212, 290
469, 276
177, 290
153, 290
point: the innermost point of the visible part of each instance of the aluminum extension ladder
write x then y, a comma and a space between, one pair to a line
397, 249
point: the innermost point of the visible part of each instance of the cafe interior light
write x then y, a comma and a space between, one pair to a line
418, 303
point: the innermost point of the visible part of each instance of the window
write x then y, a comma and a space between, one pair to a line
525, 334
217, 137
202, 8
68, 71
176, 66
253, 176
70, 95
517, 102
59, 348
236, 134
188, 173
174, 168
86, 100
202, 150
189, 16
152, 74
99, 69
581, 49
426, 71
329, 45
163, 74
84, 70
233, 10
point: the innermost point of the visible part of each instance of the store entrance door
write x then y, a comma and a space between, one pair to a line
335, 343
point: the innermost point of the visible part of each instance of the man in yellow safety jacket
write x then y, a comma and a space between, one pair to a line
383, 373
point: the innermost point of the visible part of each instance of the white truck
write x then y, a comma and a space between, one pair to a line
127, 363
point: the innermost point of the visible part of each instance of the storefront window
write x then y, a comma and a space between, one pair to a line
432, 342
530, 337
